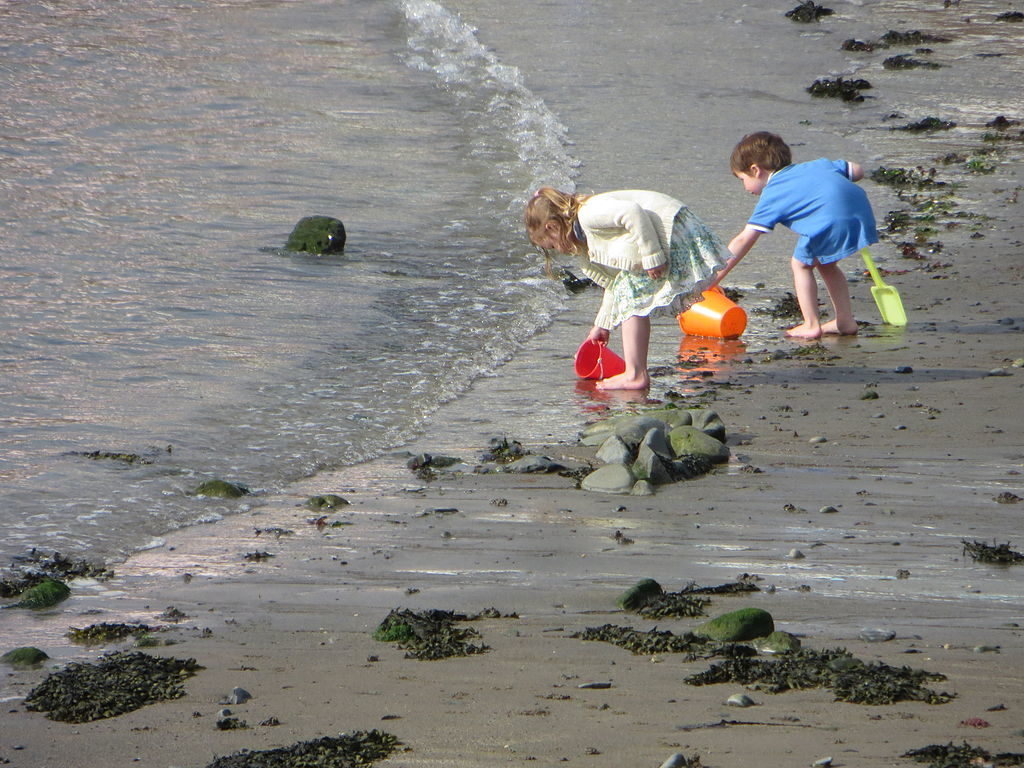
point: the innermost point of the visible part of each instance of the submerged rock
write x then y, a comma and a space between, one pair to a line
691, 441
639, 594
317, 234
327, 501
45, 594
26, 656
221, 489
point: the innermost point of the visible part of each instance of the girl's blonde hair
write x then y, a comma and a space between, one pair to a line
560, 208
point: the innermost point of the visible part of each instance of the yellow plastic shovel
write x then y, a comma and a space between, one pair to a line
886, 297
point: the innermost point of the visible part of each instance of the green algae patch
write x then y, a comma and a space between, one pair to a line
26, 656
639, 594
662, 641
45, 594
962, 756
120, 682
850, 679
221, 489
327, 501
318, 235
430, 635
349, 750
737, 626
107, 632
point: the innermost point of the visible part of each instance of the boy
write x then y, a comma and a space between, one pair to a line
820, 202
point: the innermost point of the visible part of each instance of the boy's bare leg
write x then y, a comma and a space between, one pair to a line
839, 291
636, 335
806, 286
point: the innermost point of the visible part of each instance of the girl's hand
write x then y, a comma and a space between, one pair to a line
598, 334
656, 273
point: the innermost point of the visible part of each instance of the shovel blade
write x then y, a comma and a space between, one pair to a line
890, 306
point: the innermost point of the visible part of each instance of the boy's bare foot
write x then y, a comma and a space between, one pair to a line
833, 327
804, 331
622, 381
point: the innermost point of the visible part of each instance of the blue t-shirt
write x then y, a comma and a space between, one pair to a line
819, 202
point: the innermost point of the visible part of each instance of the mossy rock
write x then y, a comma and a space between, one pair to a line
738, 626
27, 656
221, 489
317, 234
691, 441
639, 594
45, 594
327, 501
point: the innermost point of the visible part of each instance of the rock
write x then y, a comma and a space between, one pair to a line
709, 422
673, 417
221, 489
45, 594
614, 451
327, 501
678, 761
534, 464
828, 510
632, 430
874, 635
26, 656
818, 440
431, 461
238, 696
824, 762
642, 488
690, 441
795, 554
778, 642
650, 466
738, 626
639, 594
656, 441
611, 478
317, 234
739, 700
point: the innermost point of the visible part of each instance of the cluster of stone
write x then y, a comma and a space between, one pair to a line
641, 451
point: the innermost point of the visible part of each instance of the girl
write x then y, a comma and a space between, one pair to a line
648, 252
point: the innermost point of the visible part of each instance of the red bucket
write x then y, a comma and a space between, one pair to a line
595, 361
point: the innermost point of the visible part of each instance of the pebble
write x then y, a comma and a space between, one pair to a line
904, 369
999, 372
795, 554
817, 440
874, 635
594, 685
828, 510
739, 700
823, 763
224, 712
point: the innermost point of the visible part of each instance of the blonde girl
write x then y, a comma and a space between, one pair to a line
647, 250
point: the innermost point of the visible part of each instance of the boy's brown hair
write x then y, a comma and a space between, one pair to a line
763, 149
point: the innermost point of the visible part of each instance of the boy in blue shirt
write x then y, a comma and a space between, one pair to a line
820, 202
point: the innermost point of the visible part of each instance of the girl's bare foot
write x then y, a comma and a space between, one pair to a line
622, 381
833, 327
804, 331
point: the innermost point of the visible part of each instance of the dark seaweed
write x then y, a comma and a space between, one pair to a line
991, 553
850, 679
808, 12
96, 634
428, 635
963, 756
663, 641
349, 750
847, 90
120, 682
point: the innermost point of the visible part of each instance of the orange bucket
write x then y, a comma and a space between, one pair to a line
716, 315
596, 361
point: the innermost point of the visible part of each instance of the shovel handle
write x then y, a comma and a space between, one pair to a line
869, 262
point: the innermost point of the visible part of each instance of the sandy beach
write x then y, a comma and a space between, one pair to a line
848, 512
910, 475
